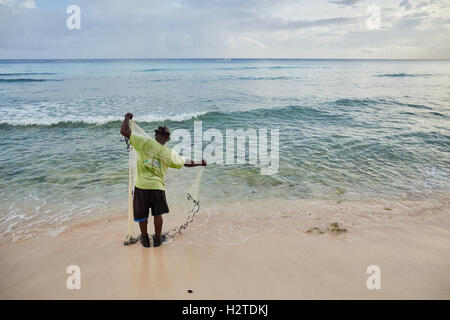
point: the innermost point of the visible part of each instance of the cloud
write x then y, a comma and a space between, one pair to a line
27, 4
244, 40
299, 24
231, 28
345, 2
423, 4
405, 4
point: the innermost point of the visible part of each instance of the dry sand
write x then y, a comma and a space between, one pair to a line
409, 241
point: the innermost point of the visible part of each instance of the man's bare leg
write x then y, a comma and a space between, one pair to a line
144, 235
158, 222
143, 227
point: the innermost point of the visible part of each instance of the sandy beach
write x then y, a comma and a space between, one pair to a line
408, 240
309, 139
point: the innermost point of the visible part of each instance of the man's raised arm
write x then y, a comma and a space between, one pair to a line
125, 129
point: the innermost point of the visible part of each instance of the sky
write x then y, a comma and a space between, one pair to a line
341, 29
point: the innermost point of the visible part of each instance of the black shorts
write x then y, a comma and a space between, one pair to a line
143, 200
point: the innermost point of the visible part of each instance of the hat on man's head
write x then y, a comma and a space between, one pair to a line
164, 130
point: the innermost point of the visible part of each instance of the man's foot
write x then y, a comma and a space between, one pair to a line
157, 242
145, 240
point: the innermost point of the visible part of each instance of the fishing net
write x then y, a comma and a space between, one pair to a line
186, 183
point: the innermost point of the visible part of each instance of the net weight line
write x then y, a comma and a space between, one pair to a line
172, 232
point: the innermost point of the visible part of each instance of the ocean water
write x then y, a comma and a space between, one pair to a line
349, 129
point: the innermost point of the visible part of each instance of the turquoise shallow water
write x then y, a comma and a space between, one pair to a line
349, 129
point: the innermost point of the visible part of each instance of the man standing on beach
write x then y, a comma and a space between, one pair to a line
154, 158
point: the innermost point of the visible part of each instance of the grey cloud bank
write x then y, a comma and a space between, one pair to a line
202, 29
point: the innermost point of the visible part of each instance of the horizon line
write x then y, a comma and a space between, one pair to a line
228, 58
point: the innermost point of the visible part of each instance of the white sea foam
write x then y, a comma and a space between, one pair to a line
97, 120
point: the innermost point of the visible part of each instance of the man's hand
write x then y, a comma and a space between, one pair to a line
192, 163
125, 128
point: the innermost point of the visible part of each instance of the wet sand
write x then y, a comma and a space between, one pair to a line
409, 242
